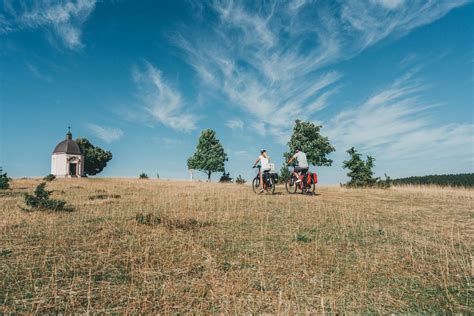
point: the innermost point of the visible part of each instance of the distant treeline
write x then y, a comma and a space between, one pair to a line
455, 180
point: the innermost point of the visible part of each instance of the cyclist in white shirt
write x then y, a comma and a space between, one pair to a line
302, 164
264, 160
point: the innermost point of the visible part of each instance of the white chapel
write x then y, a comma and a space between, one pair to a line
67, 159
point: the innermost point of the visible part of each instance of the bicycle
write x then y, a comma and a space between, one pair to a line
292, 187
268, 181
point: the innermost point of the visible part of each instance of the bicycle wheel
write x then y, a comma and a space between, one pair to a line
312, 190
271, 185
255, 184
290, 185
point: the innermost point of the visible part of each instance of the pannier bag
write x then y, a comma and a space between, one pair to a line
311, 178
275, 177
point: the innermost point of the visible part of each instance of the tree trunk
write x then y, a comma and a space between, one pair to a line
208, 176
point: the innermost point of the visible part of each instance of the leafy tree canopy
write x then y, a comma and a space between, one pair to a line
209, 156
95, 158
306, 136
360, 171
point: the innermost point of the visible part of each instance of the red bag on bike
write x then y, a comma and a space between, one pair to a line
311, 178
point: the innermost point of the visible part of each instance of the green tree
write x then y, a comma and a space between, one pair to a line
285, 173
4, 180
95, 158
209, 156
306, 136
360, 171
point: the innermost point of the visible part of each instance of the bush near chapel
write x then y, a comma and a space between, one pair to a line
95, 158
4, 180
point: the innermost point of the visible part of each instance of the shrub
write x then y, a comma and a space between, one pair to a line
49, 177
225, 178
41, 201
143, 175
4, 180
240, 180
384, 184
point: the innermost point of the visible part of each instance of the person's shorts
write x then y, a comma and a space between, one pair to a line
299, 169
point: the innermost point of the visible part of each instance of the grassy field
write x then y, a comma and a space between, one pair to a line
214, 248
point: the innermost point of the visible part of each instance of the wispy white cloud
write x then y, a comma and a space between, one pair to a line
389, 4
168, 141
378, 19
160, 101
65, 18
235, 123
37, 73
394, 125
107, 134
268, 58
408, 60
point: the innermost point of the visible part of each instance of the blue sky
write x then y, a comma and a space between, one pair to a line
393, 78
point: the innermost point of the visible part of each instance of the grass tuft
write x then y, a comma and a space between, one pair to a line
171, 223
104, 196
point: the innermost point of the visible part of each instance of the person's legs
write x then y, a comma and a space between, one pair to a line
261, 180
296, 173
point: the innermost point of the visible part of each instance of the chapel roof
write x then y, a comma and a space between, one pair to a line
68, 146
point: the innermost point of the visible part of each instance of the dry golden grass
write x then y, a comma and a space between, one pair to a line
222, 249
